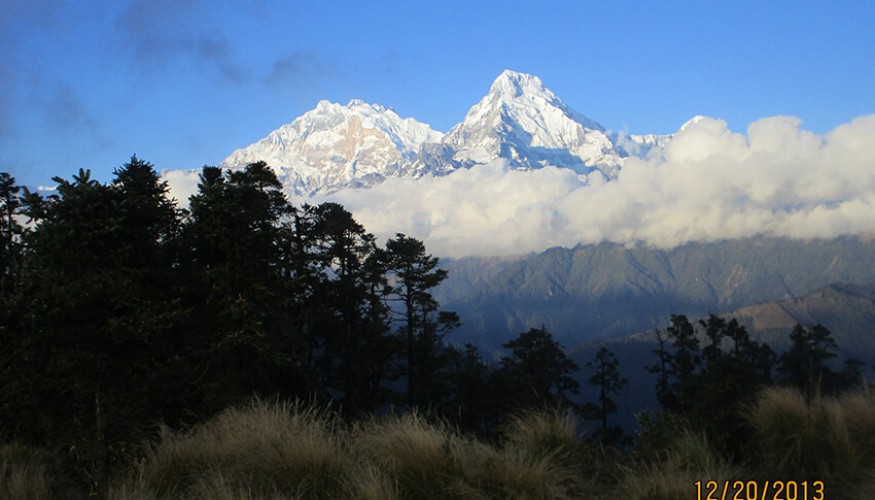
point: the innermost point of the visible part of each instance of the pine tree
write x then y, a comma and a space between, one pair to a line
538, 371
803, 365
677, 367
236, 275
11, 208
606, 377
471, 394
10, 230
91, 359
349, 316
662, 368
686, 358
413, 274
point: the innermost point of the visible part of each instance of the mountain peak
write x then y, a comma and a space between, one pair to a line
524, 122
358, 104
360, 144
692, 121
515, 84
333, 146
354, 106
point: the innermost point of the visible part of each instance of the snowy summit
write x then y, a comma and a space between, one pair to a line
519, 120
333, 146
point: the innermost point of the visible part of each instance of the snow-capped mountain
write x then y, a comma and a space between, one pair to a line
522, 121
335, 146
360, 144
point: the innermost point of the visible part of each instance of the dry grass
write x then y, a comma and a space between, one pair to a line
831, 439
546, 434
688, 459
424, 461
28, 473
262, 451
289, 451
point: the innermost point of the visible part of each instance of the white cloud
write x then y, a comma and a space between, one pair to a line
712, 183
183, 184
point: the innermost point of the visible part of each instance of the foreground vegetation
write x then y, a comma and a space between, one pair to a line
121, 312
134, 335
280, 450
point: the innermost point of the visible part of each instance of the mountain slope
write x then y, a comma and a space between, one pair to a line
847, 309
608, 290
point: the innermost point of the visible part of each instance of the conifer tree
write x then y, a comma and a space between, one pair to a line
10, 230
538, 371
471, 398
236, 289
804, 364
413, 274
606, 377
349, 313
11, 207
92, 364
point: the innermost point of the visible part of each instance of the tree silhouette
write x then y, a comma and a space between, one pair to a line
10, 230
11, 207
538, 371
606, 377
803, 365
92, 364
413, 274
237, 290
348, 314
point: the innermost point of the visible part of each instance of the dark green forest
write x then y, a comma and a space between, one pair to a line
121, 311
123, 314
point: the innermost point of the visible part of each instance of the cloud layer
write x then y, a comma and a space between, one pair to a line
711, 184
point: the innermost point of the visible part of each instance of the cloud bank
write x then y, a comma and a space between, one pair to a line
710, 184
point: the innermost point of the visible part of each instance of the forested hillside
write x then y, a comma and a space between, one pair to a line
606, 291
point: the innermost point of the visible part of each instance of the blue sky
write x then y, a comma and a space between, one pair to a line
182, 83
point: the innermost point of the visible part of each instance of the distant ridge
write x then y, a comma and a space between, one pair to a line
846, 308
608, 290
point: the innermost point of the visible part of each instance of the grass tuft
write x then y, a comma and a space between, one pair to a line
546, 434
688, 459
262, 451
420, 458
289, 451
433, 461
830, 439
28, 473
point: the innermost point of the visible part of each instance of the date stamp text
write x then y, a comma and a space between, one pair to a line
760, 490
